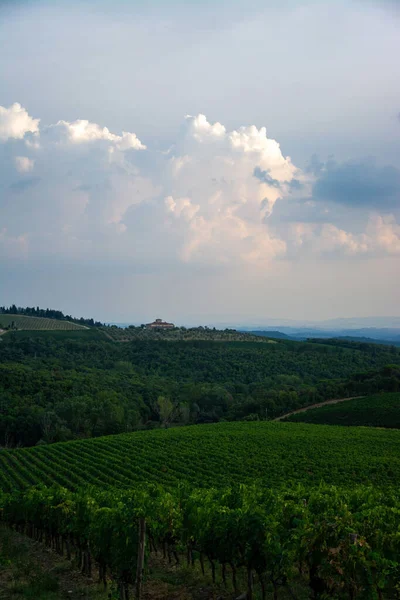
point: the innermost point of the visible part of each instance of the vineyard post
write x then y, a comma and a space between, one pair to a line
140, 558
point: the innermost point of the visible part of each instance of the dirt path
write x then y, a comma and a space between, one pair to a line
318, 405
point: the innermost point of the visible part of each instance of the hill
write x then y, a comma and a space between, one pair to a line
273, 454
278, 335
180, 334
367, 340
61, 385
380, 410
383, 335
47, 313
24, 323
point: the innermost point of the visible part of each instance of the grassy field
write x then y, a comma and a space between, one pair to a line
22, 322
213, 455
380, 410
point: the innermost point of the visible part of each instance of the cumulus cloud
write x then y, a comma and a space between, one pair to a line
15, 122
381, 237
215, 199
82, 131
328, 239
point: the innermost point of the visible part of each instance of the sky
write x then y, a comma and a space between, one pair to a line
204, 162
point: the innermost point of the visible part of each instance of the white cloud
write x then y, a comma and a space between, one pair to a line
381, 236
205, 202
82, 131
384, 233
24, 164
15, 122
332, 239
201, 130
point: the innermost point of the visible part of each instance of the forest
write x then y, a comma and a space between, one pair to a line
58, 386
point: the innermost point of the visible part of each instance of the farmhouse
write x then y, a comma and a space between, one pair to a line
160, 324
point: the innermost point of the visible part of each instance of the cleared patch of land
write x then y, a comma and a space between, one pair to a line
22, 322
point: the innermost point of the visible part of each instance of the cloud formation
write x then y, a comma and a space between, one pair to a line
215, 199
15, 122
82, 131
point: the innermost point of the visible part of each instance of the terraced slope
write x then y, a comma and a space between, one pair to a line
380, 410
213, 455
24, 323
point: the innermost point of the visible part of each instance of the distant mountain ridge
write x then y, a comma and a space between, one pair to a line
365, 335
339, 323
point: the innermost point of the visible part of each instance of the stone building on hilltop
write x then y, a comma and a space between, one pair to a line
160, 324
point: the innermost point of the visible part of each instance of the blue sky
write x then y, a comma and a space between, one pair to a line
278, 197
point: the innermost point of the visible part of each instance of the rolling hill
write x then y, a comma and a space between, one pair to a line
24, 323
273, 454
181, 334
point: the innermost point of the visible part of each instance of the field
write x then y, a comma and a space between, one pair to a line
284, 535
129, 334
213, 455
21, 322
380, 410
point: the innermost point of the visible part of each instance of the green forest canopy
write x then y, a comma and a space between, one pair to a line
58, 386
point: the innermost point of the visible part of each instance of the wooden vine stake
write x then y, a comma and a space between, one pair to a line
140, 558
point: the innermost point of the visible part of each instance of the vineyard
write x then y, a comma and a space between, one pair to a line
334, 542
21, 322
380, 410
255, 504
181, 334
220, 454
256, 508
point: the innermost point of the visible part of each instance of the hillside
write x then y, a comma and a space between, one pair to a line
276, 335
380, 410
62, 385
24, 323
180, 334
213, 455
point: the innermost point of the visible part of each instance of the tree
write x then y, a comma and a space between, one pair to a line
165, 409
